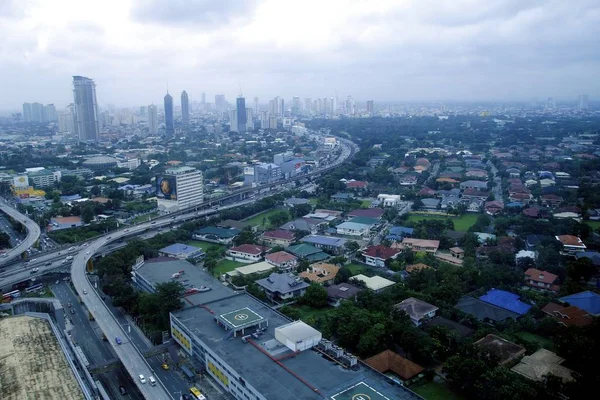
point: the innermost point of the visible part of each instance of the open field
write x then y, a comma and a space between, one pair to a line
542, 341
593, 224
258, 219
203, 245
435, 391
355, 268
307, 311
226, 266
462, 223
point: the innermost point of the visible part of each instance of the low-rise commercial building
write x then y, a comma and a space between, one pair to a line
182, 251
179, 188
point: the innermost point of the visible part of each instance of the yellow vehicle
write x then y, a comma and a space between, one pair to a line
165, 366
197, 394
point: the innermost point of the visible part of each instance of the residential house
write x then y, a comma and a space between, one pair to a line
356, 185
431, 204
353, 229
213, 234
330, 244
413, 268
408, 180
375, 283
342, 197
249, 270
505, 350
426, 192
541, 280
294, 201
593, 256
494, 207
282, 260
375, 213
376, 256
277, 237
571, 244
506, 300
484, 312
474, 194
471, 184
477, 173
281, 286
568, 315
531, 241
246, 253
428, 246
321, 273
307, 252
389, 363
239, 225
551, 200
541, 364
338, 293
397, 233
418, 310
389, 200
454, 255
587, 301
304, 224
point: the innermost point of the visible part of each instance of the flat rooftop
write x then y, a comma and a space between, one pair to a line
32, 363
254, 360
164, 269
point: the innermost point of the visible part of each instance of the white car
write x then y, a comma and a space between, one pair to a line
84, 291
142, 379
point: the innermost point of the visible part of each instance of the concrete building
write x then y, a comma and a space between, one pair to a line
169, 122
182, 251
389, 200
152, 120
247, 253
44, 178
179, 188
86, 109
58, 223
282, 286
185, 109
262, 173
418, 311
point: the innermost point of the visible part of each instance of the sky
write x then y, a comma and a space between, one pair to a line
385, 50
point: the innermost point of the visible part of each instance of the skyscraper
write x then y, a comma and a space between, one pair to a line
185, 109
169, 127
50, 113
37, 112
66, 119
220, 103
256, 106
296, 106
27, 112
370, 106
86, 108
584, 101
152, 120
242, 117
203, 99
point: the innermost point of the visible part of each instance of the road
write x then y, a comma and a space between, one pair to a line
33, 233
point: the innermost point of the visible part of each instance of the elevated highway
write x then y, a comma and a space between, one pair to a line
33, 233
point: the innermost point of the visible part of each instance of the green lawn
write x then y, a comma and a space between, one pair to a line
143, 218
203, 245
365, 203
355, 268
593, 224
307, 311
313, 202
462, 223
435, 391
258, 219
225, 266
542, 341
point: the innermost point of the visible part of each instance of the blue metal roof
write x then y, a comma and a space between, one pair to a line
324, 240
180, 248
401, 230
507, 300
587, 301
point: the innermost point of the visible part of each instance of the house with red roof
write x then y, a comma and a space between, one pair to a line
376, 256
551, 200
278, 237
366, 212
568, 315
247, 253
357, 184
541, 280
494, 207
571, 244
426, 192
282, 260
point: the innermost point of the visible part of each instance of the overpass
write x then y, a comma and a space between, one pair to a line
33, 233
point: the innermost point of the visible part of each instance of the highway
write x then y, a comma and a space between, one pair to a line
33, 233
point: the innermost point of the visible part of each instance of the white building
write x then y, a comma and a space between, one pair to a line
179, 188
130, 164
152, 120
389, 200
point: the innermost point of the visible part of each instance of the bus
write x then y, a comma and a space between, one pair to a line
22, 285
10, 296
34, 288
197, 394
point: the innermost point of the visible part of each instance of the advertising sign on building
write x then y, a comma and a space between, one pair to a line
166, 187
248, 170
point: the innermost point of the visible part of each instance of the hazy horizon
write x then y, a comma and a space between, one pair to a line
387, 51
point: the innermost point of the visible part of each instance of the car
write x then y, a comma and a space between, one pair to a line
71, 248
118, 340
84, 291
153, 223
172, 217
69, 305
57, 282
87, 252
122, 390
49, 263
59, 253
165, 366
142, 378
126, 230
108, 238
72, 311
33, 271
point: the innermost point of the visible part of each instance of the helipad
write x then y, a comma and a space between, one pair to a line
360, 391
242, 317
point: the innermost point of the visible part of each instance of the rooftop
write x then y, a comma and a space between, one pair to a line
320, 272
540, 276
588, 301
541, 363
570, 240
282, 283
367, 212
484, 311
508, 301
33, 364
223, 233
250, 249
374, 282
343, 291
381, 252
324, 240
279, 234
280, 257
506, 350
415, 308
180, 248
390, 361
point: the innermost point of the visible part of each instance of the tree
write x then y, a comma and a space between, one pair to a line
87, 212
246, 236
315, 296
279, 218
581, 269
299, 210
95, 190
390, 214
372, 342
343, 275
4, 240
351, 246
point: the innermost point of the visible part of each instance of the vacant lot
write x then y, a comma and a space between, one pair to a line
263, 217
356, 268
307, 311
226, 266
435, 391
203, 245
462, 223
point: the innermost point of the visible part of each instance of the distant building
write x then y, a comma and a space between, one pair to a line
321, 273
247, 253
216, 235
370, 106
571, 244
179, 188
241, 115
86, 109
418, 310
279, 287
375, 283
58, 223
389, 362
185, 109
152, 120
376, 256
283, 260
338, 293
505, 350
428, 246
169, 123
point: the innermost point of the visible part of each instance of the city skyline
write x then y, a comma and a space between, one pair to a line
456, 51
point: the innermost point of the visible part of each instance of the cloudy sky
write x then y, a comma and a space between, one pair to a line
387, 50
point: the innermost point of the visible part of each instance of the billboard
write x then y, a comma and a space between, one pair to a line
248, 170
21, 181
166, 187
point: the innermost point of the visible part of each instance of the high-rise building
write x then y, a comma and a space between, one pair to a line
370, 106
256, 106
272, 122
152, 120
143, 111
220, 103
584, 101
86, 108
249, 120
27, 112
179, 188
50, 114
185, 109
37, 112
550, 103
169, 125
296, 105
264, 119
241, 114
307, 105
350, 106
66, 119
203, 99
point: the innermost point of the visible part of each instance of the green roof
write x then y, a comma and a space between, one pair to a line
222, 233
303, 250
365, 220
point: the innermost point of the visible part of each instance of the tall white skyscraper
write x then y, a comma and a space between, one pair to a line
185, 109
86, 108
37, 112
66, 119
27, 112
152, 120
256, 106
50, 114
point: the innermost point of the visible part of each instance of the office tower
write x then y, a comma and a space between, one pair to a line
50, 114
370, 106
169, 126
233, 120
27, 112
185, 109
264, 119
179, 188
249, 120
279, 106
350, 106
86, 108
37, 112
272, 122
203, 99
241, 114
272, 107
296, 105
152, 120
142, 111
307, 105
220, 103
66, 119
256, 106
584, 101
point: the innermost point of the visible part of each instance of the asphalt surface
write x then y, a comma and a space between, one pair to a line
33, 233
